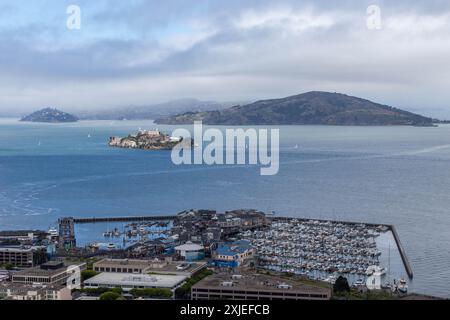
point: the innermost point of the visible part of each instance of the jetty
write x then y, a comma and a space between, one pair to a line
124, 219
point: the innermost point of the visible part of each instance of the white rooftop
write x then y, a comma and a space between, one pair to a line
189, 246
130, 280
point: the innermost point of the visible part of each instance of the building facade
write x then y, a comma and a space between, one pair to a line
232, 254
51, 273
14, 291
22, 256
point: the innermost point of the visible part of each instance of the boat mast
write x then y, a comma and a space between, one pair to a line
389, 262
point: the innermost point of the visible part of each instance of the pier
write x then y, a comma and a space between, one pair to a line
123, 219
402, 252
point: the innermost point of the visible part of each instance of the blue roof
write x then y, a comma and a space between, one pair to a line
233, 248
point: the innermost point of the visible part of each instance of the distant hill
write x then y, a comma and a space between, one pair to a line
311, 108
50, 115
156, 111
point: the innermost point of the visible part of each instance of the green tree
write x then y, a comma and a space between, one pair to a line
110, 296
8, 266
341, 285
86, 274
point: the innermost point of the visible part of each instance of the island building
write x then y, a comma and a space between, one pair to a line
49, 273
23, 256
224, 286
232, 254
15, 291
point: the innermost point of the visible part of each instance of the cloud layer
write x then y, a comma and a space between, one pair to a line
143, 52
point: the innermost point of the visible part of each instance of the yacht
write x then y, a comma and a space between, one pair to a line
53, 232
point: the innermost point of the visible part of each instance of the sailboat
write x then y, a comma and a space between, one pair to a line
388, 285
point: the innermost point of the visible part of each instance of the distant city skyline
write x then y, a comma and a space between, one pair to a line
147, 52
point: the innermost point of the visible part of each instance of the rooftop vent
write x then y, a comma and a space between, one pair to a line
227, 284
284, 286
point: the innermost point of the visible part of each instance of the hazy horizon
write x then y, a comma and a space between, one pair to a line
143, 53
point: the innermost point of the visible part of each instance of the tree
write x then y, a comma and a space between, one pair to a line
86, 274
341, 285
110, 296
8, 266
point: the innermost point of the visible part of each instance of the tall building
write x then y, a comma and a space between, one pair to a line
67, 233
22, 256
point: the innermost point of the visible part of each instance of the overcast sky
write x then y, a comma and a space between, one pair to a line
139, 52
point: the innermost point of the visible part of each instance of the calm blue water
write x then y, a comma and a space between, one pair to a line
393, 175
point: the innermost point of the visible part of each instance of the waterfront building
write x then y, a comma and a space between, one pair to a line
129, 281
22, 256
256, 287
50, 273
232, 254
190, 251
25, 237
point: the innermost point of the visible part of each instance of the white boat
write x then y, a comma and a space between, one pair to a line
111, 246
375, 269
402, 286
359, 282
52, 232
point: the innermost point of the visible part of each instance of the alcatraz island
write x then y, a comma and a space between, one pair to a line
150, 140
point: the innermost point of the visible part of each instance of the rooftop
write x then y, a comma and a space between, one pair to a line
39, 272
124, 262
231, 249
189, 246
259, 282
154, 265
19, 248
132, 280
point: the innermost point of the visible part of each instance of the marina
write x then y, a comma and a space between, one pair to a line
313, 248
324, 249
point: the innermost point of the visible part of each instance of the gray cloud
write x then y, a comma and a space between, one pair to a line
150, 51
